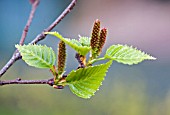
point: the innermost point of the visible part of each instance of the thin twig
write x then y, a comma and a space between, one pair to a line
25, 31
16, 56
19, 81
62, 15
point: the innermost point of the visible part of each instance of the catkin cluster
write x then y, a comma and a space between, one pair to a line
98, 39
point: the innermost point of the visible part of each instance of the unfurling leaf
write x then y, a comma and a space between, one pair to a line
85, 81
61, 57
76, 45
85, 41
126, 54
37, 55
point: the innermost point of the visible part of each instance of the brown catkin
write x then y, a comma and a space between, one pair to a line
102, 40
95, 35
61, 57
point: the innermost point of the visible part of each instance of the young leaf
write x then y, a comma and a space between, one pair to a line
85, 41
85, 81
37, 55
126, 54
76, 45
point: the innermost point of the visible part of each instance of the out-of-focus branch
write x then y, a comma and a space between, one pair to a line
16, 56
62, 15
25, 31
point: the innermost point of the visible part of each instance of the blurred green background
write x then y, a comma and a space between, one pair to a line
142, 89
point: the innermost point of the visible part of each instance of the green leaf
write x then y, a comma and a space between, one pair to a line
85, 81
126, 54
37, 55
85, 41
76, 45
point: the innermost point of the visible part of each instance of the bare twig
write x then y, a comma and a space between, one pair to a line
19, 81
25, 31
63, 14
16, 56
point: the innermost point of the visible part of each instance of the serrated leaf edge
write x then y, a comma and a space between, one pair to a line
92, 93
119, 46
76, 47
49, 64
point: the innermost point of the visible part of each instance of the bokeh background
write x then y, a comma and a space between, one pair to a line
142, 89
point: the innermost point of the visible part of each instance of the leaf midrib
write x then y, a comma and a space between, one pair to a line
38, 57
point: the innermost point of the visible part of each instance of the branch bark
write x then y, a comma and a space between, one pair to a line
25, 31
19, 81
16, 56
